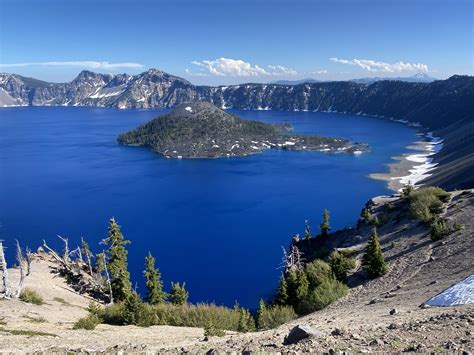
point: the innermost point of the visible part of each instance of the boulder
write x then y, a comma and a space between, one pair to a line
301, 332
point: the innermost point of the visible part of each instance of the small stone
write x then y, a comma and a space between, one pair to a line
450, 345
431, 259
393, 326
376, 342
373, 301
434, 282
420, 347
205, 339
393, 311
337, 332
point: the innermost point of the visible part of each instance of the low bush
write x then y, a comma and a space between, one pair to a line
211, 331
439, 229
31, 296
134, 311
427, 202
274, 316
327, 292
341, 264
317, 272
88, 323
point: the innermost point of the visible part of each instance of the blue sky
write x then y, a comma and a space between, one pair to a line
230, 41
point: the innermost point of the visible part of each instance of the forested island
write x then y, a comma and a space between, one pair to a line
202, 130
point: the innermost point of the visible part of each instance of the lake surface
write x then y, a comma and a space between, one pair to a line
218, 225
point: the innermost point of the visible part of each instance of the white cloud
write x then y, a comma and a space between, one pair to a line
376, 66
322, 71
80, 64
281, 70
189, 72
237, 68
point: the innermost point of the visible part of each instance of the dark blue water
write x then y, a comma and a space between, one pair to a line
218, 225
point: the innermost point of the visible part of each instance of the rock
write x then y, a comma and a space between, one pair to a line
376, 342
431, 259
465, 352
434, 282
373, 301
450, 345
421, 347
393, 326
300, 332
337, 332
205, 339
393, 311
424, 306
212, 352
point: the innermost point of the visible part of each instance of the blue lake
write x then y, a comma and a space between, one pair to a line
218, 225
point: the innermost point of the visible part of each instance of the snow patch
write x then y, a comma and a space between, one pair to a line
460, 293
189, 109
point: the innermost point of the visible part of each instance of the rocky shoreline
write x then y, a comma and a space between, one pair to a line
412, 167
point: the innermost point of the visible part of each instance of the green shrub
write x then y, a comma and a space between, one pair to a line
426, 202
317, 272
31, 296
136, 312
113, 314
274, 316
200, 315
341, 264
246, 321
88, 323
327, 292
210, 330
439, 229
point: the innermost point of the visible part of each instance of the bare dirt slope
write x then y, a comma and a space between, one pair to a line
419, 270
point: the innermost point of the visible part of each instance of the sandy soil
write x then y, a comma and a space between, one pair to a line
360, 322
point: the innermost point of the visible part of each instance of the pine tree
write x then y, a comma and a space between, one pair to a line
154, 284
366, 215
307, 230
373, 259
282, 293
292, 283
117, 262
178, 295
325, 227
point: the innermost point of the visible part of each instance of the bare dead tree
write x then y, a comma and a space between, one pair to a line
292, 259
108, 278
55, 255
7, 291
28, 257
66, 251
88, 255
21, 262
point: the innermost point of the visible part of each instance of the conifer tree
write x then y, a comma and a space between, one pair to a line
324, 226
178, 295
117, 262
282, 293
292, 283
373, 259
154, 284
